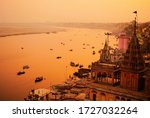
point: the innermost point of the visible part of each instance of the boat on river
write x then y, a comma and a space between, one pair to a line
26, 67
39, 79
20, 73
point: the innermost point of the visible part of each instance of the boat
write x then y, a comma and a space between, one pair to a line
39, 94
26, 67
93, 52
20, 73
76, 65
39, 79
58, 57
82, 72
62, 43
80, 66
72, 63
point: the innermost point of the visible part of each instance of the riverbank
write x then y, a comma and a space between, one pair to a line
13, 29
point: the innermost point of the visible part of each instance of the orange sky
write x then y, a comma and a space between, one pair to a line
73, 10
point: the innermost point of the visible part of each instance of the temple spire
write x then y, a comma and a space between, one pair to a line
133, 59
133, 65
107, 38
135, 23
105, 54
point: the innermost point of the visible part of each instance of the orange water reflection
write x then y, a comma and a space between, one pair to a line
42, 61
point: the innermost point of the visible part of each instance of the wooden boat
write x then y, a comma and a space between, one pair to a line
26, 67
72, 63
80, 66
58, 57
39, 79
20, 73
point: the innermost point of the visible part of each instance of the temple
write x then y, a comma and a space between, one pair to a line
133, 67
124, 82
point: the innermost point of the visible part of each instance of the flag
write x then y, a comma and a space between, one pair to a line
135, 12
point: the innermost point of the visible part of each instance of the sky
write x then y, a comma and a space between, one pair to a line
73, 10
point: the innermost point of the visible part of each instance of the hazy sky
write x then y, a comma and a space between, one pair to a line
73, 10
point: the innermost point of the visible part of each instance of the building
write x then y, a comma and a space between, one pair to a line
123, 40
125, 82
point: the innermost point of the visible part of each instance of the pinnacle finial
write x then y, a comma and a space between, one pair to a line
107, 39
135, 22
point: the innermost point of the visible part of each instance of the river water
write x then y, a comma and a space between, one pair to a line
39, 51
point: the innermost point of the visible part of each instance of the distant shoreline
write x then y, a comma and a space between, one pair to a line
27, 29
28, 33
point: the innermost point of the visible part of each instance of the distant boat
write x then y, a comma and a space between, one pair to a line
76, 65
72, 63
70, 50
39, 79
22, 48
20, 73
80, 66
93, 52
58, 57
26, 67
62, 43
51, 49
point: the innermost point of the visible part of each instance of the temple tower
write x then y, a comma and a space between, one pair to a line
105, 56
132, 67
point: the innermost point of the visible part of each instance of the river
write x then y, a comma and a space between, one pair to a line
39, 51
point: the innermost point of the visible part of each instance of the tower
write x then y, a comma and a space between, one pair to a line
105, 56
132, 67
